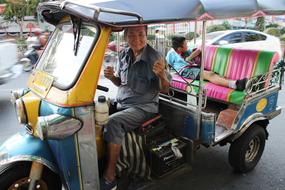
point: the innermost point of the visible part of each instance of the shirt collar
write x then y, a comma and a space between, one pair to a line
142, 56
148, 55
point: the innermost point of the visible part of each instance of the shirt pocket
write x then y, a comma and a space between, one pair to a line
140, 84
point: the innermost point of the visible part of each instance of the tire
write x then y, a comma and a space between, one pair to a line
246, 151
16, 175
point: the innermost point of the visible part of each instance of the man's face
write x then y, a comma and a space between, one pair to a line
136, 38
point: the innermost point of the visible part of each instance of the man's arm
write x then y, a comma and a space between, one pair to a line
193, 55
116, 80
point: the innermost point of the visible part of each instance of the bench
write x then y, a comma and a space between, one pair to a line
232, 64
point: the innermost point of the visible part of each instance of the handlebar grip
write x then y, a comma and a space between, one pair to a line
103, 88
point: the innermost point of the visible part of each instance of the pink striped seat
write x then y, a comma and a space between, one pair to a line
232, 64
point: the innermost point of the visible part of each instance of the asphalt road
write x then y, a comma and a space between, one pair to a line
210, 170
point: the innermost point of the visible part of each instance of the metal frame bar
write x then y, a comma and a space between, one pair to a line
98, 10
201, 89
266, 82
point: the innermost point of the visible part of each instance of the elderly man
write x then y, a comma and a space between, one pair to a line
140, 76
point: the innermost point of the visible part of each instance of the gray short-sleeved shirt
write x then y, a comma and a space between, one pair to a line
139, 84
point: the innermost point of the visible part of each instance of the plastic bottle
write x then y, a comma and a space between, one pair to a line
101, 118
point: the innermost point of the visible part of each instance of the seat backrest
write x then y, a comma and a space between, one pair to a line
239, 63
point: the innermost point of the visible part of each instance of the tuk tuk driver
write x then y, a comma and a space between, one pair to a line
140, 76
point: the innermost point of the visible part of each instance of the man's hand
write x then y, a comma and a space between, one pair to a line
109, 72
159, 68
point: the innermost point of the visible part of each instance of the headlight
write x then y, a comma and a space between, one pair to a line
21, 111
16, 94
57, 126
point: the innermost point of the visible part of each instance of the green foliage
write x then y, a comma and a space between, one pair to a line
112, 37
282, 38
215, 28
190, 35
169, 37
282, 31
218, 27
272, 25
16, 9
150, 37
273, 31
227, 25
259, 25
22, 44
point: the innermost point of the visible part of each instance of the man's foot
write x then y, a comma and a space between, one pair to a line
241, 84
106, 185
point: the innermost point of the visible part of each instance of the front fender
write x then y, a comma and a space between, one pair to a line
24, 147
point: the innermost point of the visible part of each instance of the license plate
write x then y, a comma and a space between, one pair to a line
41, 83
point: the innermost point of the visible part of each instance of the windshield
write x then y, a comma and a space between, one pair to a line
59, 58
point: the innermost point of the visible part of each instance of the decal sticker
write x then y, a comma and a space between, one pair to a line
261, 105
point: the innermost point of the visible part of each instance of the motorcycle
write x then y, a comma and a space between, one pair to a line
30, 58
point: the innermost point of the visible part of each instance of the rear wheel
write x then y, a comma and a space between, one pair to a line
15, 176
247, 150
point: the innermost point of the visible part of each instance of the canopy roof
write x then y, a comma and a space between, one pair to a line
129, 12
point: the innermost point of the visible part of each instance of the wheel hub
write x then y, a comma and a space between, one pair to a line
252, 149
23, 184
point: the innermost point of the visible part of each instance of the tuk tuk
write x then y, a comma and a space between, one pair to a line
61, 145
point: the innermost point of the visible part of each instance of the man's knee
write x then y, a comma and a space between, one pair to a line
113, 131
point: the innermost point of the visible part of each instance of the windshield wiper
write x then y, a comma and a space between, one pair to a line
76, 24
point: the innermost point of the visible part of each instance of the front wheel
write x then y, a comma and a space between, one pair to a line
15, 176
246, 151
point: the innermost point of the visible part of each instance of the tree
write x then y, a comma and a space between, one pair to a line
15, 10
224, 26
190, 35
272, 25
227, 25
217, 27
273, 31
259, 25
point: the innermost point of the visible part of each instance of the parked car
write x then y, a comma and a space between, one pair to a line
244, 39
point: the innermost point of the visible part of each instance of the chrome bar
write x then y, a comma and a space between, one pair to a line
199, 109
264, 82
274, 113
170, 98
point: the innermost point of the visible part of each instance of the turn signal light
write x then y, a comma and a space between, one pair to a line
21, 111
57, 126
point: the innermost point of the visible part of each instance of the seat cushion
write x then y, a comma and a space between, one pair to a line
212, 90
179, 83
224, 93
233, 64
